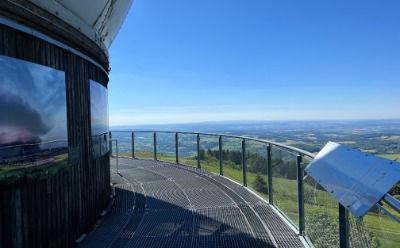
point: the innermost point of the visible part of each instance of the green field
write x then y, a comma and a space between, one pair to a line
377, 228
395, 157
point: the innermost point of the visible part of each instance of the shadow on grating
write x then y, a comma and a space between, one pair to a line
164, 205
140, 175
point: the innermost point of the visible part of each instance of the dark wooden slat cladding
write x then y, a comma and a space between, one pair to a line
55, 211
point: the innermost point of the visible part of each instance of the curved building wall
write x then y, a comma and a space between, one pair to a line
52, 206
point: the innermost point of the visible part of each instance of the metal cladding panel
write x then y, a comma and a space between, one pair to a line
356, 179
100, 20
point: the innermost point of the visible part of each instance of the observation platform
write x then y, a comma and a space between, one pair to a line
161, 204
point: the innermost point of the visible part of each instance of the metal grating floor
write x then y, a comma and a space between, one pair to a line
160, 204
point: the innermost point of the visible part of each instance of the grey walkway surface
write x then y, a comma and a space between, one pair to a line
160, 204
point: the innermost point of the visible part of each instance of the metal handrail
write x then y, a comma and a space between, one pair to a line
299, 164
343, 213
392, 202
303, 152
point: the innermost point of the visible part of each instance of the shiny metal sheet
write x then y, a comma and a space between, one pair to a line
356, 179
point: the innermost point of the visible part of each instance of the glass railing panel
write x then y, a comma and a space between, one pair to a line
209, 153
113, 148
376, 229
144, 147
166, 147
257, 167
188, 149
284, 181
124, 143
321, 215
232, 159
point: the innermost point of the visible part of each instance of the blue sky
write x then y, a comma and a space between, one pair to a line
181, 61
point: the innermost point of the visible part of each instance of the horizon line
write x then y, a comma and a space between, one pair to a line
232, 121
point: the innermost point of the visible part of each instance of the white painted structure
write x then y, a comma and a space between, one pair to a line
99, 20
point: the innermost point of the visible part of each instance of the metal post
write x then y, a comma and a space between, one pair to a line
300, 192
117, 154
393, 202
198, 151
133, 145
244, 162
176, 148
269, 169
155, 145
343, 227
116, 142
110, 144
221, 170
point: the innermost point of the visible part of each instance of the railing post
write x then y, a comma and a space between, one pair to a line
117, 154
221, 170
110, 144
176, 148
155, 145
133, 145
198, 151
244, 162
269, 169
343, 227
300, 193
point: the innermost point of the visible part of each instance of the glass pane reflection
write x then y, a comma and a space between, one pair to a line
99, 118
33, 110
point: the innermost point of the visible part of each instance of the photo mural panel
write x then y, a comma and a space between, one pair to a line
33, 110
99, 118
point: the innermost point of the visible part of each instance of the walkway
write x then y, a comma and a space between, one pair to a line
161, 204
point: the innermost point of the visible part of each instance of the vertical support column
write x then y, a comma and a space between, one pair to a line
198, 151
244, 162
117, 154
155, 145
269, 169
300, 193
110, 144
176, 148
343, 227
133, 145
221, 170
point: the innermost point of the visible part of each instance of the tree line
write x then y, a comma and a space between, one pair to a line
282, 166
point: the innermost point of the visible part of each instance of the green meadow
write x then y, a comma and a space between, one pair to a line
395, 157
